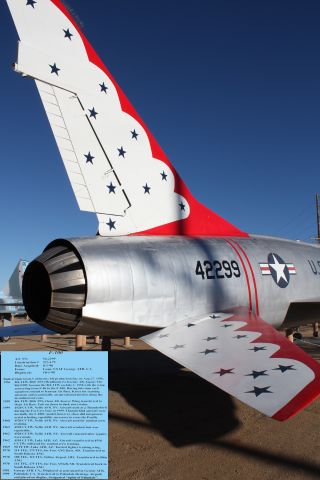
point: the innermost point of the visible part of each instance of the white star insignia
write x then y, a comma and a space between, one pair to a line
279, 269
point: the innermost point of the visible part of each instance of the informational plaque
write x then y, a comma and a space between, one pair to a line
54, 415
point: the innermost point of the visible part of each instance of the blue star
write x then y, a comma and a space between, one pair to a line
256, 349
240, 336
182, 206
121, 152
258, 391
284, 368
112, 188
111, 224
93, 113
146, 189
164, 176
256, 374
134, 134
68, 34
103, 87
208, 350
223, 371
54, 69
31, 2
89, 158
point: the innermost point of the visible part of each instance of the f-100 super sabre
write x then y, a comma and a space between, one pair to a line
163, 266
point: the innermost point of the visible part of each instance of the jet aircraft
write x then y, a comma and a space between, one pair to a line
11, 295
163, 266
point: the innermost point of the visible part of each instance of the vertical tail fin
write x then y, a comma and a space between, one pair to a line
13, 287
115, 166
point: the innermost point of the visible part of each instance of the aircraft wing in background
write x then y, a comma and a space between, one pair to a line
25, 330
246, 357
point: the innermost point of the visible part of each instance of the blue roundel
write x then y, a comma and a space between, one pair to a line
279, 270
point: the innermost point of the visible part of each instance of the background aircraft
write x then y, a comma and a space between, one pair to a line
162, 262
11, 296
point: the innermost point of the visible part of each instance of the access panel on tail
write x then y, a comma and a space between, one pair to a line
115, 166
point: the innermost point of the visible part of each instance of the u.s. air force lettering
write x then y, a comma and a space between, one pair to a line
315, 266
278, 269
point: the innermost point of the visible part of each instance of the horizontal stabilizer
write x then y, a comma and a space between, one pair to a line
246, 357
25, 330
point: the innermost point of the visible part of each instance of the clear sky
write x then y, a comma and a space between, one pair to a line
229, 88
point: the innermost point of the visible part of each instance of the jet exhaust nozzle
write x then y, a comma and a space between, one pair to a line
54, 289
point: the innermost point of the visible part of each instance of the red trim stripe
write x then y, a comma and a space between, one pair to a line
245, 271
253, 276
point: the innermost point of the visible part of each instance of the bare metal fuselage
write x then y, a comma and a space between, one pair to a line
132, 285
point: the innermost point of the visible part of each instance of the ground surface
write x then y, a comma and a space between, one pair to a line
166, 423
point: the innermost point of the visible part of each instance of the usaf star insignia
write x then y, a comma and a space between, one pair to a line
278, 269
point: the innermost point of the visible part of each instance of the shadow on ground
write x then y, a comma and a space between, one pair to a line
183, 407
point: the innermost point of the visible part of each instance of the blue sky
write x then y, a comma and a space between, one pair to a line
229, 88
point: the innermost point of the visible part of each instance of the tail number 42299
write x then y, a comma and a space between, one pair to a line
217, 269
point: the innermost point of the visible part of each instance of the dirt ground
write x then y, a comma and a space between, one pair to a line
167, 423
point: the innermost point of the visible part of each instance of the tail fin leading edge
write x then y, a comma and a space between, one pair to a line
115, 166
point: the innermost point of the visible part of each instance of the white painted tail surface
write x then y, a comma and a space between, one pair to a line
115, 166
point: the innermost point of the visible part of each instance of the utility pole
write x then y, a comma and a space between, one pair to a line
316, 324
